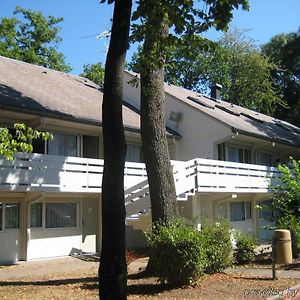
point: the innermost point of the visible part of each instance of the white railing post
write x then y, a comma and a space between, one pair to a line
197, 175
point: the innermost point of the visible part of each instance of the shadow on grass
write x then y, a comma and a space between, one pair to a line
56, 282
147, 289
253, 278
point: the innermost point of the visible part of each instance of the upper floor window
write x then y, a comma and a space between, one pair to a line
133, 153
239, 154
263, 158
63, 144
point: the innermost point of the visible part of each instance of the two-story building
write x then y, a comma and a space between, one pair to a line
50, 201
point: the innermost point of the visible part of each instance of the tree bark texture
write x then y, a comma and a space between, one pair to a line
112, 268
153, 132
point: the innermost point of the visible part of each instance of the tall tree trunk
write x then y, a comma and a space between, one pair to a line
153, 130
112, 269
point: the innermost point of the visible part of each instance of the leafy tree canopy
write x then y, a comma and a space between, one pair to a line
234, 61
94, 72
33, 38
284, 50
20, 141
181, 18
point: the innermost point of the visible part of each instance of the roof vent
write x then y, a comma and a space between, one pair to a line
216, 91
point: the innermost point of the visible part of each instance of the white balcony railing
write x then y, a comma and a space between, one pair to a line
38, 172
206, 175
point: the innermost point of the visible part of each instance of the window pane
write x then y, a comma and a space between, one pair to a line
248, 210
246, 156
12, 215
60, 215
237, 211
239, 155
63, 144
233, 154
90, 146
264, 159
133, 153
36, 215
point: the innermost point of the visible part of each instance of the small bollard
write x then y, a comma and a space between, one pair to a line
281, 249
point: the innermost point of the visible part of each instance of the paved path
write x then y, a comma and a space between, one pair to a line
264, 272
48, 266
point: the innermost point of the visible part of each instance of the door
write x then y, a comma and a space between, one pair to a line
90, 224
10, 237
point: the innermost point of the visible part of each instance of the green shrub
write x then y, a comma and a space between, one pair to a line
293, 224
218, 247
177, 253
244, 251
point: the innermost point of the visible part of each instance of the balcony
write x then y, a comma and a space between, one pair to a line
49, 173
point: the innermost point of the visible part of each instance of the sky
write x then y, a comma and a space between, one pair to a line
85, 19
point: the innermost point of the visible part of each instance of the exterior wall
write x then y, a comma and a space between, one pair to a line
199, 132
212, 207
10, 245
28, 243
45, 243
51, 242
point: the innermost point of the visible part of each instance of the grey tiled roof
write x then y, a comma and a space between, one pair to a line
238, 118
37, 90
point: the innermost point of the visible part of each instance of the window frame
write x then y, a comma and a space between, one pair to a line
244, 148
247, 214
3, 218
44, 215
78, 143
266, 153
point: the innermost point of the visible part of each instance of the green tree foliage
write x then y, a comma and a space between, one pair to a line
160, 25
284, 50
94, 72
286, 198
181, 253
244, 73
33, 38
178, 252
20, 141
286, 201
244, 252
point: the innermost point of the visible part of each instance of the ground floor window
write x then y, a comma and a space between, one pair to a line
60, 215
53, 215
240, 211
36, 212
9, 216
